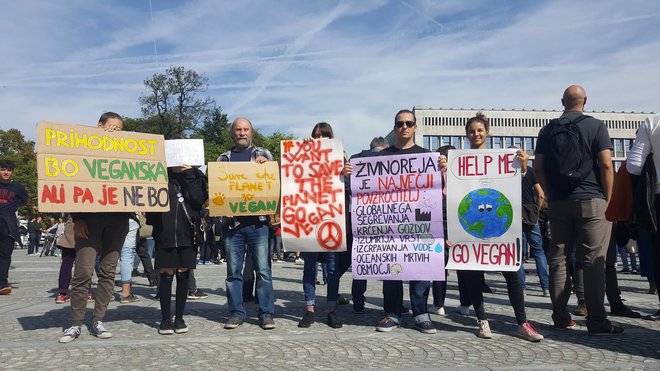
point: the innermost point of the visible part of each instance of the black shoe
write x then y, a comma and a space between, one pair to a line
358, 308
608, 330
166, 327
341, 300
625, 270
135, 273
307, 320
334, 321
196, 295
180, 326
153, 282
624, 311
653, 317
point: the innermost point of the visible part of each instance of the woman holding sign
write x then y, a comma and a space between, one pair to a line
320, 130
477, 131
174, 237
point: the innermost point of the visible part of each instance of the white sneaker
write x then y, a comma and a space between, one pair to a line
484, 329
299, 260
464, 310
437, 310
100, 331
70, 334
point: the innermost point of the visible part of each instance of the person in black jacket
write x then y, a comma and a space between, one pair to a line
12, 195
174, 237
34, 231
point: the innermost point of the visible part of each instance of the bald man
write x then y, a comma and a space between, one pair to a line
247, 234
576, 209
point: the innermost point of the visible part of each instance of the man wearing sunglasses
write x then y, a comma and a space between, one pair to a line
405, 125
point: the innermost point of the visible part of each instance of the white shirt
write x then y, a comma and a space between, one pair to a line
647, 141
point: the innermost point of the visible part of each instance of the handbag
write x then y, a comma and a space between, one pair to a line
198, 230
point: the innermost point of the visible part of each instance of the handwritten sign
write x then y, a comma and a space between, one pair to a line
184, 151
483, 210
397, 218
313, 203
243, 188
83, 168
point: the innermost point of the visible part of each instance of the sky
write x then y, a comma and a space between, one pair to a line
289, 64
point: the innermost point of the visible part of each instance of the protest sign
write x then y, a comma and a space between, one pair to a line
313, 205
483, 210
184, 151
243, 188
86, 169
397, 218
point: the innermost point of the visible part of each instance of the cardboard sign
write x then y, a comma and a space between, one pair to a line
484, 210
397, 218
86, 169
184, 151
313, 204
243, 188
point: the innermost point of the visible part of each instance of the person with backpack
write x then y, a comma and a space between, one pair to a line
574, 167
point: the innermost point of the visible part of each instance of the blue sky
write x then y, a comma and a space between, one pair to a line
289, 64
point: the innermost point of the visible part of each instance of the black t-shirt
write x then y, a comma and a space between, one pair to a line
596, 134
393, 150
528, 182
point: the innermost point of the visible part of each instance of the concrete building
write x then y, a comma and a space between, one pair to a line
437, 127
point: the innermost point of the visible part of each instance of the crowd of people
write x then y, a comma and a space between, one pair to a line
565, 230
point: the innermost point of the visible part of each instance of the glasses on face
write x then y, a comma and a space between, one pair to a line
399, 124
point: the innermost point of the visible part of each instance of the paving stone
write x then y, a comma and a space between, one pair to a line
31, 323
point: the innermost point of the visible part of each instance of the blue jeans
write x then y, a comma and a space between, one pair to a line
255, 239
309, 273
150, 249
128, 252
533, 235
393, 299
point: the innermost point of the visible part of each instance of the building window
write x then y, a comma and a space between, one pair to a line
529, 146
497, 142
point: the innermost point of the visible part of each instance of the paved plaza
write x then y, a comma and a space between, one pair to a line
31, 324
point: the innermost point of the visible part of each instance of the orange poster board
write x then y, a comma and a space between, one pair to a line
243, 188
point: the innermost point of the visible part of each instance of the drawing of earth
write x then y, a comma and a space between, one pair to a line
485, 213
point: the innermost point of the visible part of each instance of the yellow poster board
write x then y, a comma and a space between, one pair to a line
86, 169
243, 188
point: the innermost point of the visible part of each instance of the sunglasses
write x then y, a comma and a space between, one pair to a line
399, 124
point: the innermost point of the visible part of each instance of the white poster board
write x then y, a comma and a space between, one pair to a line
184, 151
313, 205
484, 222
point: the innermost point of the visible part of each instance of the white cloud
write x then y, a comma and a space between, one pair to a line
290, 64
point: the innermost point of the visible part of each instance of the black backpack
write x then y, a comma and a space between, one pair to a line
569, 161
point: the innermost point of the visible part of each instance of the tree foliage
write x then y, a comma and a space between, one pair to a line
172, 105
14, 147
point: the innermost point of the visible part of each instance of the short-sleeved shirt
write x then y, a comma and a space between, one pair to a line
393, 150
528, 183
596, 134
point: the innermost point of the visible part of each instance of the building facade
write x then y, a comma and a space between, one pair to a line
520, 128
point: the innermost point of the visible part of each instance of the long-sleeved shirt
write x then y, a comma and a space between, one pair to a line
647, 141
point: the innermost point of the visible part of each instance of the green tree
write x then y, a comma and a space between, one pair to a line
14, 147
272, 143
172, 106
215, 132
